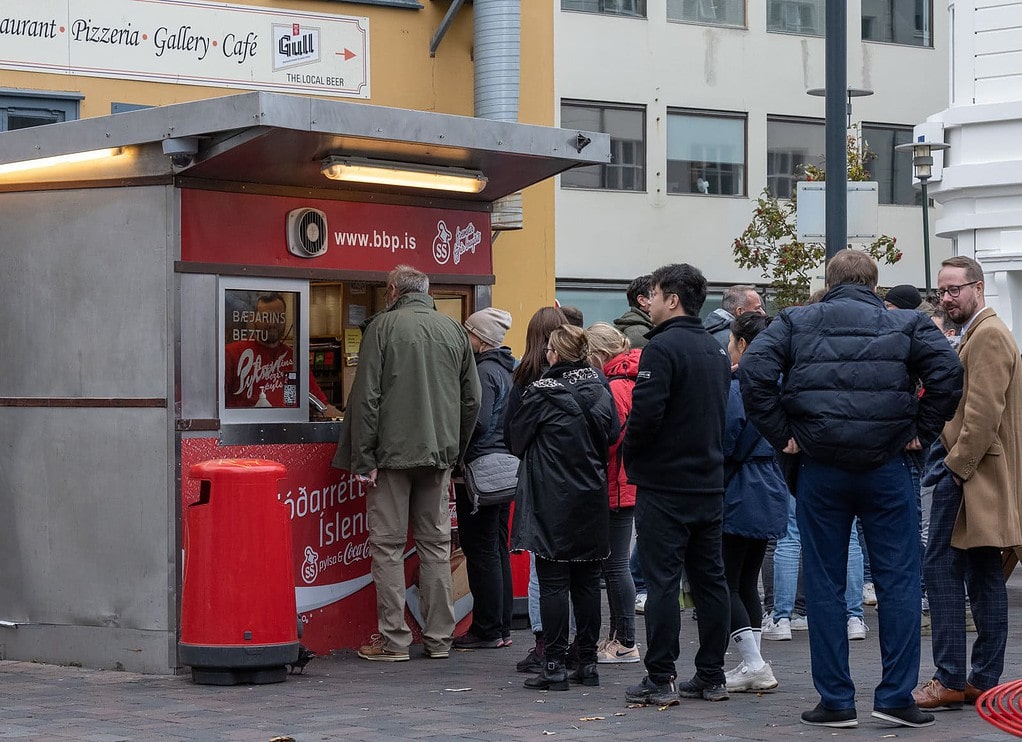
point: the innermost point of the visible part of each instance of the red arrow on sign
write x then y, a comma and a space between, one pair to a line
347, 54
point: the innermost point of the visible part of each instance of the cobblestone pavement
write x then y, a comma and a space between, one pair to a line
474, 695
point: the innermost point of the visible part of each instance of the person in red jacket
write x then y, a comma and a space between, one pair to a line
609, 351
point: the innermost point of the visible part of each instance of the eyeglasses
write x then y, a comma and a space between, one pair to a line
953, 291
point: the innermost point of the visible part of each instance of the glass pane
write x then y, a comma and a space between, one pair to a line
24, 118
804, 17
898, 21
716, 12
892, 170
705, 154
611, 7
791, 144
626, 126
259, 360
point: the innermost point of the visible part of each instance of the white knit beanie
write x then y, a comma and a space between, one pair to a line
489, 325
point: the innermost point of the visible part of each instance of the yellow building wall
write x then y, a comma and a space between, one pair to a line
403, 75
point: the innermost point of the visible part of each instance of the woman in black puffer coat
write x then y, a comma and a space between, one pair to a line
562, 432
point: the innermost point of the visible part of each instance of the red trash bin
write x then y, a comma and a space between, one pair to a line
238, 616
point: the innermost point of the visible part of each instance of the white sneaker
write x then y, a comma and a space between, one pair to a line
614, 652
799, 623
745, 678
640, 602
857, 628
777, 631
735, 672
869, 594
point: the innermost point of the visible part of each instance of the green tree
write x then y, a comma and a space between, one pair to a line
770, 244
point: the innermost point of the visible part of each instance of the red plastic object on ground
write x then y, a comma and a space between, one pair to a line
1002, 707
238, 616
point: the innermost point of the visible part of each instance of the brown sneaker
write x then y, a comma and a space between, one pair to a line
376, 652
933, 696
972, 693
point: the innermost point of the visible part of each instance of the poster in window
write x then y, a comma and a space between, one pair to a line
259, 358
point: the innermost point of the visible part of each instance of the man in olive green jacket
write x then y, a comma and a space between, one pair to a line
410, 416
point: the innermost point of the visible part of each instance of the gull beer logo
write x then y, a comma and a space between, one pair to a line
295, 45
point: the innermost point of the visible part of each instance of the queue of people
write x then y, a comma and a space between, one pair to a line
697, 444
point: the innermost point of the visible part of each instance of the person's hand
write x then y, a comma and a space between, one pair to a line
368, 479
734, 367
914, 445
792, 447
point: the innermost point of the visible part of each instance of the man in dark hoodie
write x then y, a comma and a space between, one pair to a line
635, 323
737, 300
673, 454
483, 531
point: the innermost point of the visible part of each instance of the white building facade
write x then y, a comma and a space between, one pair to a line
980, 187
706, 103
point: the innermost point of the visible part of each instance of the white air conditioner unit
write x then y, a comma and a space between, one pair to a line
307, 235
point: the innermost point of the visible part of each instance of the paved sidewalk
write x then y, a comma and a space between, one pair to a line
474, 695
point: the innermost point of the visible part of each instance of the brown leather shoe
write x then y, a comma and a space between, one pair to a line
972, 693
934, 696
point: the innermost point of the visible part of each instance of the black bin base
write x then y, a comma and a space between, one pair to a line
238, 676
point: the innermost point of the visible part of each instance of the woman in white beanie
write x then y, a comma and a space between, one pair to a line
483, 531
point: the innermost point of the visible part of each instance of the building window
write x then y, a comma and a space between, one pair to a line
22, 110
634, 8
706, 153
627, 128
804, 17
898, 21
714, 12
890, 169
792, 143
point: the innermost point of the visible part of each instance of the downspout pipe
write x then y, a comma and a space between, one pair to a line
496, 40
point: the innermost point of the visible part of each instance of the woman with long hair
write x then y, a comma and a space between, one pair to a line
610, 351
531, 367
755, 510
562, 432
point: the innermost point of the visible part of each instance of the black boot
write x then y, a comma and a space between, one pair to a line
571, 658
585, 675
536, 657
553, 677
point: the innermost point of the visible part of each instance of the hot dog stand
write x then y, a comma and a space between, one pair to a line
178, 283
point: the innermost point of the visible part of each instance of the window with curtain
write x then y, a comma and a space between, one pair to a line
706, 153
634, 8
713, 12
792, 143
626, 125
805, 17
907, 22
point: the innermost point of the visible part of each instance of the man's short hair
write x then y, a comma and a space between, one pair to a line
973, 270
735, 296
406, 280
574, 315
852, 266
270, 298
684, 280
639, 286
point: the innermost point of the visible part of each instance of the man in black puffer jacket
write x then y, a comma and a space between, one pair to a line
836, 382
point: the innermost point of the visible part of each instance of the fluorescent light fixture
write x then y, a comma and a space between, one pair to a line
384, 172
47, 162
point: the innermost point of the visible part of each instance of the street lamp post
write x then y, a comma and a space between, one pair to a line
922, 169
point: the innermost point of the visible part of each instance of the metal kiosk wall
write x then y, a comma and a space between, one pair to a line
118, 274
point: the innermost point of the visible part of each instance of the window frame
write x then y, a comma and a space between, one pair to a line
715, 24
601, 10
927, 35
68, 105
742, 116
822, 24
781, 118
604, 106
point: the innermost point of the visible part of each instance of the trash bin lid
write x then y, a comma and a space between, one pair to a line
232, 468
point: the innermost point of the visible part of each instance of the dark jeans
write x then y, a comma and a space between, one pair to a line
949, 572
484, 543
676, 533
620, 588
635, 569
743, 558
580, 581
828, 501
